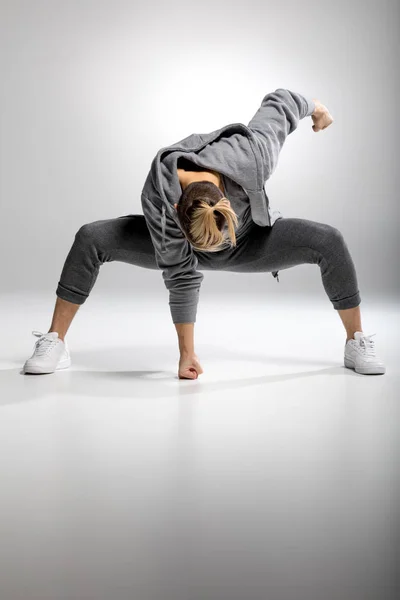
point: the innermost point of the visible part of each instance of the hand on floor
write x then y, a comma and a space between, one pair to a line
189, 367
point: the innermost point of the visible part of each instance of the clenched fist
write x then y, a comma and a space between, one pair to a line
321, 116
189, 367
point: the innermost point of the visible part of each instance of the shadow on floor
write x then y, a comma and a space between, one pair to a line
115, 375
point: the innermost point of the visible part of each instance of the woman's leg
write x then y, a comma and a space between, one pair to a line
351, 319
63, 314
125, 239
293, 241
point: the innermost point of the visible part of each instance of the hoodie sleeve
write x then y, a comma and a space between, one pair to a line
278, 115
177, 260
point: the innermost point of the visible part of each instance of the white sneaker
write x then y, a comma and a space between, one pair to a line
50, 353
359, 354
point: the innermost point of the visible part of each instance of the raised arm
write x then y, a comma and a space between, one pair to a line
277, 117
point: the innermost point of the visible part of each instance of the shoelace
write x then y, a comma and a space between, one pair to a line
368, 345
43, 344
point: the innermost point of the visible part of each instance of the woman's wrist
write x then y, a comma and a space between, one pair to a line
184, 353
319, 107
185, 333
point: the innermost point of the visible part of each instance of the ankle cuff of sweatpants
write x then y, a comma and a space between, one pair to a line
349, 302
70, 295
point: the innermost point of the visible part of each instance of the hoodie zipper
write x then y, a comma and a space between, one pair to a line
163, 224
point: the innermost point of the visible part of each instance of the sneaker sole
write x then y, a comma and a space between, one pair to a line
63, 364
364, 370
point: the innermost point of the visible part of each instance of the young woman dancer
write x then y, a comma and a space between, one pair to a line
205, 208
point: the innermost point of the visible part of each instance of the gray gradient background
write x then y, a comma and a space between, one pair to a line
117, 489
91, 90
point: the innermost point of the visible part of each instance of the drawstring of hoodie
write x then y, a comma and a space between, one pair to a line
275, 274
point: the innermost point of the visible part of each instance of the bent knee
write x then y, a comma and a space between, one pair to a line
88, 232
336, 238
331, 236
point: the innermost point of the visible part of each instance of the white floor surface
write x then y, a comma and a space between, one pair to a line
274, 476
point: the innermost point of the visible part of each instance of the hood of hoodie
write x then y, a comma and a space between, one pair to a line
231, 150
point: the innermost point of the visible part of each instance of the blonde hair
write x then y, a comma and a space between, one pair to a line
206, 217
204, 231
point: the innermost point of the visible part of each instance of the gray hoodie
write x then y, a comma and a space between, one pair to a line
245, 156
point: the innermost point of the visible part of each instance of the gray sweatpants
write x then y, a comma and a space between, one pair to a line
289, 242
